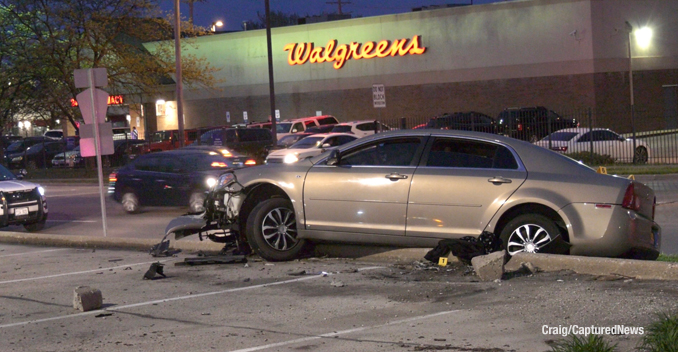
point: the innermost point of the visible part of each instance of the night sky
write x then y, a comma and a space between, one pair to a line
234, 12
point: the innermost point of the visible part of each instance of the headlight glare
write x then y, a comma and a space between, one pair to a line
211, 181
290, 158
41, 190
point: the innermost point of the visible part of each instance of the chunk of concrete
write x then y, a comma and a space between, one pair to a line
489, 267
86, 298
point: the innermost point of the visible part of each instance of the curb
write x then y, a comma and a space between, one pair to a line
622, 268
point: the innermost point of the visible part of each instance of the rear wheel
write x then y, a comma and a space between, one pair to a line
528, 233
272, 230
640, 156
130, 202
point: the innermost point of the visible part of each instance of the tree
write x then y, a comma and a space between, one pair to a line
278, 19
52, 38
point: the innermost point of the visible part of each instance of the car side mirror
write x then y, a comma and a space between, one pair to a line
325, 145
294, 130
334, 158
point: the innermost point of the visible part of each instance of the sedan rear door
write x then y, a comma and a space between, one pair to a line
459, 186
367, 191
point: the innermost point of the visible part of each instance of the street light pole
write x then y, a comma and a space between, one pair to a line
629, 27
177, 57
271, 85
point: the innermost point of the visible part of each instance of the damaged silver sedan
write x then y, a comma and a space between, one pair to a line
414, 188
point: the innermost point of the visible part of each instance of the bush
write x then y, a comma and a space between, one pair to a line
662, 335
591, 343
592, 159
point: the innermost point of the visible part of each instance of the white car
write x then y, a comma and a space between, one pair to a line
360, 128
309, 146
602, 140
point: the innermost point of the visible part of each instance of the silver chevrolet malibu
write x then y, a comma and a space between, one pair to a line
413, 188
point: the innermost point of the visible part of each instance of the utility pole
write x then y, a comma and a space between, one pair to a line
339, 2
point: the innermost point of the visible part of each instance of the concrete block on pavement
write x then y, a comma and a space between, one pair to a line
489, 267
86, 298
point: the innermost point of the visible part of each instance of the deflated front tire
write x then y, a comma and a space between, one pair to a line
272, 230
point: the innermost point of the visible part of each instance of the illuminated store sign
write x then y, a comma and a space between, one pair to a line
112, 100
301, 53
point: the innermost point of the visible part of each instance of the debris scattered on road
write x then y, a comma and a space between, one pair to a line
102, 315
297, 273
337, 283
155, 269
115, 260
86, 298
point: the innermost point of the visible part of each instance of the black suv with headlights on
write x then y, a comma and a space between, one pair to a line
179, 177
21, 202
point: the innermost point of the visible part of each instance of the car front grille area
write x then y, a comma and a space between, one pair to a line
21, 205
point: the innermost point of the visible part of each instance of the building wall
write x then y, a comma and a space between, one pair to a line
563, 54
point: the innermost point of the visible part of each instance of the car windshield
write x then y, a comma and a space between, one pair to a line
308, 142
6, 174
561, 136
341, 129
283, 127
16, 146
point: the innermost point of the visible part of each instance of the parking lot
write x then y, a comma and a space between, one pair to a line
319, 304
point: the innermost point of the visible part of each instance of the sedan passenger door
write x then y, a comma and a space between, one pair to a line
367, 191
459, 186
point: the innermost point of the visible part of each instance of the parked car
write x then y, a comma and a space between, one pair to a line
18, 147
467, 121
532, 123
602, 140
417, 187
236, 160
70, 158
309, 146
287, 141
360, 128
288, 127
23, 203
54, 134
169, 140
173, 178
38, 155
320, 129
254, 142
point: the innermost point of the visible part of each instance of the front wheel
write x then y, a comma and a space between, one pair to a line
196, 203
272, 230
528, 233
130, 202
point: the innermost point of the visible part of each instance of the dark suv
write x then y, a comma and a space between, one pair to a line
171, 178
254, 142
532, 123
467, 121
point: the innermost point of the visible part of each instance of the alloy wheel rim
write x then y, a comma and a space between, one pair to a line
279, 229
529, 238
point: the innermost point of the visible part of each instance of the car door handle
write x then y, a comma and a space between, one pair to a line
499, 179
396, 176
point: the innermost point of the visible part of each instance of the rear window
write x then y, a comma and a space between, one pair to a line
330, 120
561, 136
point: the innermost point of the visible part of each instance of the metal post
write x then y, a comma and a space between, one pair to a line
95, 118
177, 56
590, 137
633, 108
270, 73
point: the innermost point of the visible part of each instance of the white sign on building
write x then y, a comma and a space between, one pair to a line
379, 95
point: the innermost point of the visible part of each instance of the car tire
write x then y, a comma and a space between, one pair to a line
264, 226
640, 156
528, 233
36, 226
196, 203
130, 202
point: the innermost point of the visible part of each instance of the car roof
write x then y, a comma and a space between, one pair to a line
583, 129
353, 123
325, 135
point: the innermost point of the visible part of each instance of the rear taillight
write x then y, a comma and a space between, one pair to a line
631, 201
520, 127
559, 149
250, 162
112, 177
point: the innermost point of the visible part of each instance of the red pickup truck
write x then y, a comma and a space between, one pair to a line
168, 140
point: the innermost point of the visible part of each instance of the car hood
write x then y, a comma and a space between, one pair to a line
16, 185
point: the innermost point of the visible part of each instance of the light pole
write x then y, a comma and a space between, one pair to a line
215, 25
179, 88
